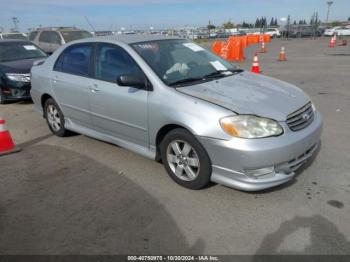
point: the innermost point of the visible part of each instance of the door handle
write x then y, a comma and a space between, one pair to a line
94, 88
55, 79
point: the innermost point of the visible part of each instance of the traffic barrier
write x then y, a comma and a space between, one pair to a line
267, 38
235, 49
6, 143
282, 56
216, 47
255, 66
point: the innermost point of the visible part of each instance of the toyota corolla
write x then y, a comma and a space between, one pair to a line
173, 101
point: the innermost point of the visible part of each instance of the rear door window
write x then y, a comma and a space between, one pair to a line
75, 60
32, 35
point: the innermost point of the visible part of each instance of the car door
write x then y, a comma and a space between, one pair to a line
70, 81
118, 111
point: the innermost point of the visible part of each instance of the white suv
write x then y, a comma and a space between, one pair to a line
273, 32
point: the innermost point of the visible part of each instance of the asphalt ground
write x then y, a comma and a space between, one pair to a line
78, 195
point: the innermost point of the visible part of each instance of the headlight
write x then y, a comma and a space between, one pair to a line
19, 77
249, 126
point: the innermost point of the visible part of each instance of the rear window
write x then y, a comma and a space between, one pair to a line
32, 35
12, 51
69, 36
14, 36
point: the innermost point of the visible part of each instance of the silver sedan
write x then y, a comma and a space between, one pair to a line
173, 101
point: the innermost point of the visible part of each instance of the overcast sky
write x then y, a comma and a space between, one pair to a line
114, 14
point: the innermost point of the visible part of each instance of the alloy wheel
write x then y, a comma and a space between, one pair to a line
183, 160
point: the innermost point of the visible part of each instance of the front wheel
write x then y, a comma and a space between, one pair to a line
185, 159
54, 118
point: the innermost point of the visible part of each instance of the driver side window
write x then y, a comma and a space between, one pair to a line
113, 61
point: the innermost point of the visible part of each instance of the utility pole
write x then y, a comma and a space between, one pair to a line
329, 3
15, 23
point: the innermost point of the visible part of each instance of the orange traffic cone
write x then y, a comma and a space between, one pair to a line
282, 56
335, 38
6, 143
263, 48
255, 66
331, 43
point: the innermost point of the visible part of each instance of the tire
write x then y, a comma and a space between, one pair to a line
2, 101
189, 165
54, 118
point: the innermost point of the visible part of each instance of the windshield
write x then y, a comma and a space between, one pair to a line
176, 61
69, 36
18, 51
14, 36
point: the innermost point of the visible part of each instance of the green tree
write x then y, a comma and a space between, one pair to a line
228, 25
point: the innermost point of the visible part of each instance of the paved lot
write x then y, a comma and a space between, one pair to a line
78, 195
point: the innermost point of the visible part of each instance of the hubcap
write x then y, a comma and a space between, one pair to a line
53, 117
183, 160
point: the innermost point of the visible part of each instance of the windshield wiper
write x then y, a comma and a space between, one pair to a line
187, 80
221, 73
216, 74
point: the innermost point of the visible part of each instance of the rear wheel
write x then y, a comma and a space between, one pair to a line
185, 159
54, 118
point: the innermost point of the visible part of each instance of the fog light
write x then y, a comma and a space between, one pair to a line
256, 173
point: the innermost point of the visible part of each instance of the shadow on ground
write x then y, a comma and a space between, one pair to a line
322, 237
55, 201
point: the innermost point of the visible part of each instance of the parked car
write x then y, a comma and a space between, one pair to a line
273, 32
172, 100
50, 39
16, 60
103, 33
20, 36
299, 31
338, 30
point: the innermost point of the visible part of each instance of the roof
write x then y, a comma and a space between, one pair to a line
131, 39
14, 41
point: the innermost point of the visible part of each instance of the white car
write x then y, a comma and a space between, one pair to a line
339, 30
273, 32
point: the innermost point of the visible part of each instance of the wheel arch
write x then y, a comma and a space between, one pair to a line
162, 132
43, 100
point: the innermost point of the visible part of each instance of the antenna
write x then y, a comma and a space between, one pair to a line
87, 20
329, 3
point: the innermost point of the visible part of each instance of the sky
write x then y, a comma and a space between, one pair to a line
159, 14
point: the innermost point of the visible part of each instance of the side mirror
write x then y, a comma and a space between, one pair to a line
140, 82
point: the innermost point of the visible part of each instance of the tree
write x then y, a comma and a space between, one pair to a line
276, 22
272, 22
295, 22
349, 18
228, 25
210, 26
257, 23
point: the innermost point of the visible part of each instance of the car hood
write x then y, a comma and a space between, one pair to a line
248, 93
18, 66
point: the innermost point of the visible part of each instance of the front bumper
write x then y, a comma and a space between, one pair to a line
15, 93
234, 161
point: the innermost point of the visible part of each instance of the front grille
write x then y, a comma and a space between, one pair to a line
293, 164
301, 118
